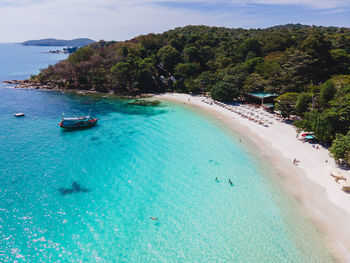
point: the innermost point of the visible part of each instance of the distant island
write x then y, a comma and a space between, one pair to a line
78, 42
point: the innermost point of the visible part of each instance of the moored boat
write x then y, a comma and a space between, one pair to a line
78, 122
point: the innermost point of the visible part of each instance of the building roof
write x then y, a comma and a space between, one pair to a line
262, 95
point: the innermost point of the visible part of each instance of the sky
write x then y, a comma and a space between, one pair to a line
22, 20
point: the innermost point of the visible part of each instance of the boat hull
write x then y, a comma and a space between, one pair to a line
79, 125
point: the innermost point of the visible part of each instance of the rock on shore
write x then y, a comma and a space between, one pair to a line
29, 84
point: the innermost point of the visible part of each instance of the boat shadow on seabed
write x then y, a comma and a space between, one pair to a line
74, 189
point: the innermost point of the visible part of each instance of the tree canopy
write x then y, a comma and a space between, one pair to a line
307, 66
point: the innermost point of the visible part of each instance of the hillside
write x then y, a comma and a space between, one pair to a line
198, 58
78, 42
308, 66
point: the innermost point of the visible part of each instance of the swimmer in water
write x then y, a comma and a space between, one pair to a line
153, 218
229, 180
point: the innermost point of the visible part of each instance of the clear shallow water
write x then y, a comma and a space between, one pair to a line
19, 62
137, 163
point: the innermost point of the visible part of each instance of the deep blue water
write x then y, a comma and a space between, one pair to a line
19, 62
138, 162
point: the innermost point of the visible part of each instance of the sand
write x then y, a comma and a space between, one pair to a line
309, 182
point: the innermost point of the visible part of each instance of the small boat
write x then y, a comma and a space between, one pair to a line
20, 114
78, 122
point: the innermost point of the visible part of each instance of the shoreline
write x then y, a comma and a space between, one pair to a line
10, 85
309, 182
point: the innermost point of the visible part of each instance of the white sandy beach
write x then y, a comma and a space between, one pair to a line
309, 181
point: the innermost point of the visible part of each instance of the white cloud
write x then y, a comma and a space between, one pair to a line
119, 19
314, 4
104, 19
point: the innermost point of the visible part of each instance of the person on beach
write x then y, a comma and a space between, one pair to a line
229, 180
295, 161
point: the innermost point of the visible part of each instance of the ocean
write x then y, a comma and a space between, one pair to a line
138, 187
19, 62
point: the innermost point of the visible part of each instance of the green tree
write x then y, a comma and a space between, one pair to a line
185, 70
98, 79
276, 40
208, 79
342, 42
82, 54
125, 51
286, 103
122, 75
271, 66
149, 42
339, 110
254, 83
192, 54
341, 61
177, 43
317, 47
340, 149
250, 46
320, 123
169, 56
144, 75
192, 85
323, 128
303, 102
327, 93
296, 70
224, 91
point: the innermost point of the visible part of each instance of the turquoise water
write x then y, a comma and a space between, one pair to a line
138, 162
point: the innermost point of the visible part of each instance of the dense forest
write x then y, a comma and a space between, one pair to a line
308, 66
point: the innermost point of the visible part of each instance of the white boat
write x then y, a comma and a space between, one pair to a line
20, 114
78, 122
